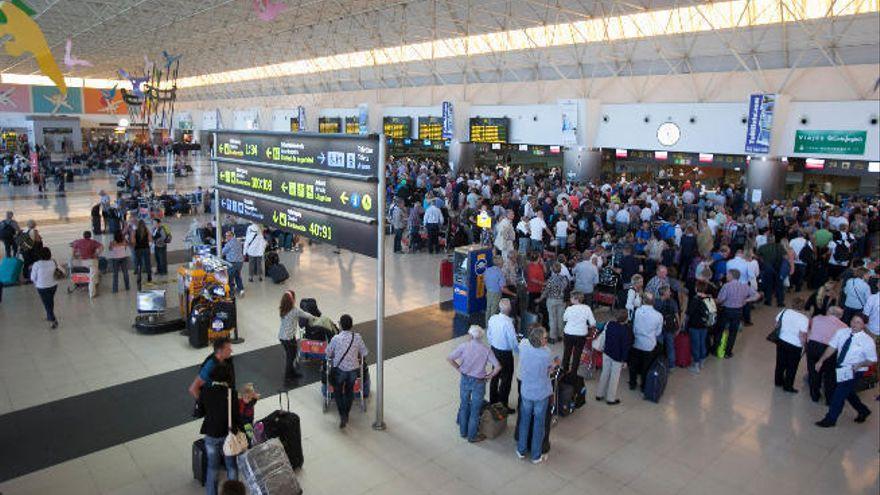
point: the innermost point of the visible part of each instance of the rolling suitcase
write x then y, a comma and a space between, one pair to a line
493, 420
225, 312
200, 461
682, 344
655, 381
284, 425
10, 271
446, 273
197, 326
270, 260
265, 470
278, 273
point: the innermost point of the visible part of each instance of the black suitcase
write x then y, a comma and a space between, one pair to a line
278, 273
284, 425
197, 326
225, 312
270, 259
199, 461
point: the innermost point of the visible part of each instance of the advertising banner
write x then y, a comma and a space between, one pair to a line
363, 119
830, 142
760, 123
14, 98
448, 117
301, 118
568, 109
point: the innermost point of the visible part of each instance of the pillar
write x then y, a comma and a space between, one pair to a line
589, 118
581, 164
765, 179
375, 123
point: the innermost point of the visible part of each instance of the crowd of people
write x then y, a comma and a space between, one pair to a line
681, 260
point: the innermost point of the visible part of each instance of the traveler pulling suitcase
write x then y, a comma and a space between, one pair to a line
682, 350
284, 425
655, 381
10, 271
446, 273
265, 470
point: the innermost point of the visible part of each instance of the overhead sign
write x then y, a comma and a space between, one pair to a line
760, 123
358, 155
360, 237
346, 195
830, 142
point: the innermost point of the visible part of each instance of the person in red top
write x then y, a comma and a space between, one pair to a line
535, 279
85, 253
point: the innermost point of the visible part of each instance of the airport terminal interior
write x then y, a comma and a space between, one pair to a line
275, 247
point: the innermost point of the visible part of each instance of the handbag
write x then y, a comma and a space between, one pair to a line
58, 273
235, 443
334, 370
774, 335
599, 342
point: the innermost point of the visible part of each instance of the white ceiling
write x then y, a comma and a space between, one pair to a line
218, 35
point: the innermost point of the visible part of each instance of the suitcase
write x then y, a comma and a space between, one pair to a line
265, 470
682, 350
446, 273
225, 312
200, 461
270, 260
721, 350
10, 271
591, 361
493, 420
197, 326
278, 273
655, 382
565, 399
579, 386
284, 425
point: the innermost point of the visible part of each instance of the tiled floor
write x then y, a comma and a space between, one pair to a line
726, 431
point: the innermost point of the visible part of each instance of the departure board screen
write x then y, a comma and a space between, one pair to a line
329, 125
489, 130
431, 128
294, 124
397, 127
352, 125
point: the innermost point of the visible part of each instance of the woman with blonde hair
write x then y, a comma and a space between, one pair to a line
823, 298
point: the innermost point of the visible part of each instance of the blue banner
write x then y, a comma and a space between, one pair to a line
301, 117
363, 119
448, 121
760, 123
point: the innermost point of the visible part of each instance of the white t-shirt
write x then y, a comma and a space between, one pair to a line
796, 245
577, 318
832, 247
622, 216
794, 323
861, 349
872, 311
646, 214
536, 228
562, 228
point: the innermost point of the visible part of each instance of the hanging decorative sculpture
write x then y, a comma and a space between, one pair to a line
25, 36
152, 97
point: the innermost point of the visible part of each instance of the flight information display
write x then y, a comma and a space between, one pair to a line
397, 127
329, 125
431, 128
340, 194
352, 125
489, 130
358, 155
357, 236
294, 124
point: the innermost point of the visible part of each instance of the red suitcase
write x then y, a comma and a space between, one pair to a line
445, 273
683, 350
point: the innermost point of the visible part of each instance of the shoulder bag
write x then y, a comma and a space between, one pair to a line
334, 369
58, 273
236, 442
773, 337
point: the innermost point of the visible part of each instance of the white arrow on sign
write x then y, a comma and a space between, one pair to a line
321, 158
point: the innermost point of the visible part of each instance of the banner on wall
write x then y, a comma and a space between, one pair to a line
301, 117
48, 99
448, 121
15, 98
363, 119
568, 109
760, 123
830, 142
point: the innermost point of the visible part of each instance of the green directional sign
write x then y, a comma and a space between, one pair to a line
830, 142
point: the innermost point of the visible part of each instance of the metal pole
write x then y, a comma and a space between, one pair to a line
218, 234
380, 289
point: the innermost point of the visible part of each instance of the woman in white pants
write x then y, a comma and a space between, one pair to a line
617, 339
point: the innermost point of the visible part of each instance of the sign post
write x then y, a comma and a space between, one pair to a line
327, 187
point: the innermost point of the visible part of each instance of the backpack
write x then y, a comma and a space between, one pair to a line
24, 241
842, 254
807, 256
739, 236
167, 234
7, 231
711, 315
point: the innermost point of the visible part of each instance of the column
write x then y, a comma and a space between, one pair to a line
765, 174
376, 114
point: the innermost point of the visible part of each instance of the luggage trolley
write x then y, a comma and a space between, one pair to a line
327, 388
79, 275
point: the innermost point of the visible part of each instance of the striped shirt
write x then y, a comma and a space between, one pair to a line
735, 294
346, 361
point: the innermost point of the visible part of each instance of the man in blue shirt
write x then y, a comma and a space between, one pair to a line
535, 364
493, 278
471, 359
234, 254
501, 335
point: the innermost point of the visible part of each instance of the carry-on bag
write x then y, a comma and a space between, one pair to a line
197, 326
10, 271
285, 426
493, 420
278, 273
682, 344
265, 470
446, 273
655, 381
